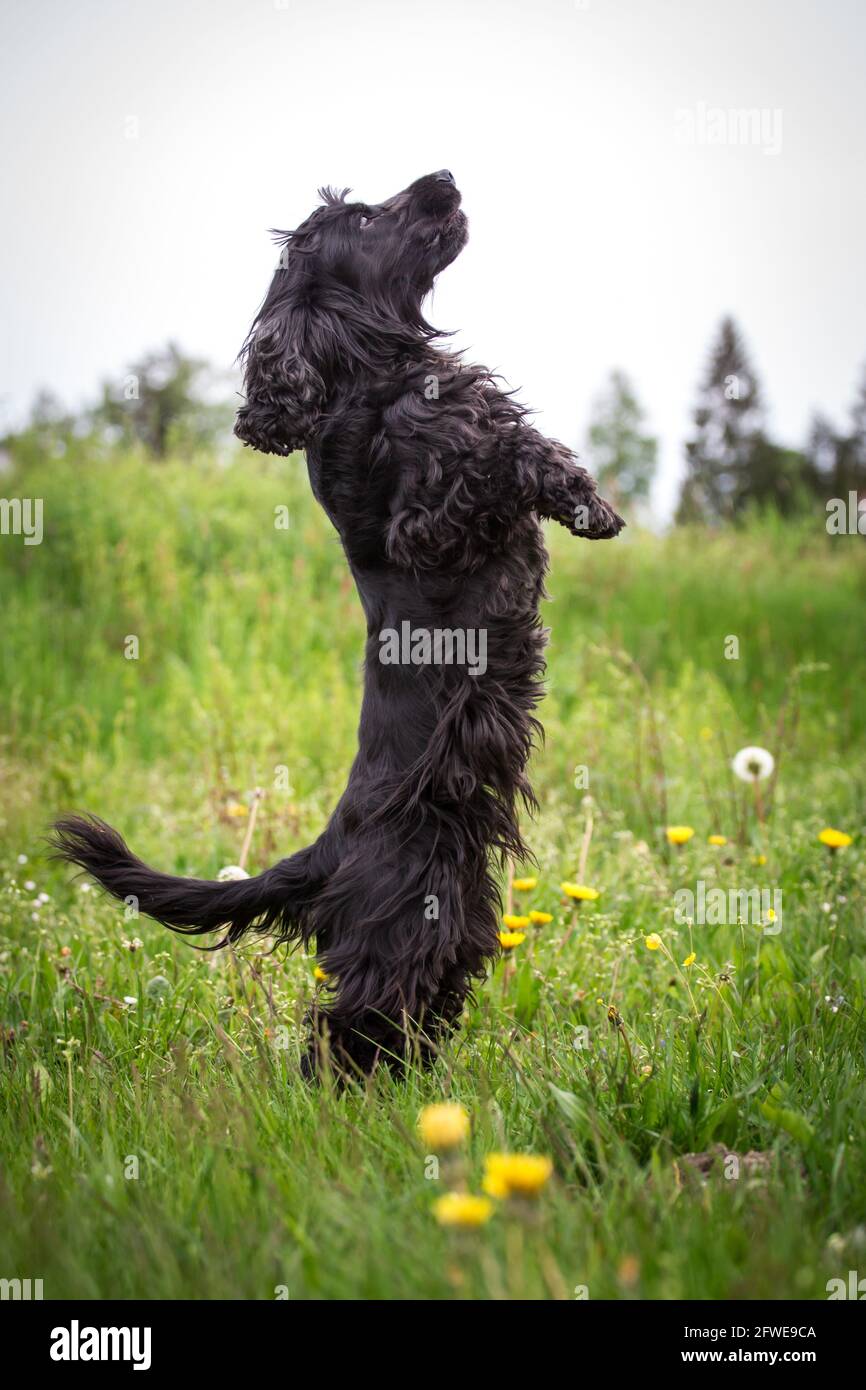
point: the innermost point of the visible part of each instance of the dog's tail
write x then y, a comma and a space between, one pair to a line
275, 903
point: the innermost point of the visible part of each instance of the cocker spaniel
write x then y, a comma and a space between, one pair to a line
436, 484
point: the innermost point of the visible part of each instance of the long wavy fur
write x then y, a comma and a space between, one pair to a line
435, 483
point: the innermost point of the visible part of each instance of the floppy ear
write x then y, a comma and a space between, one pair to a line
281, 356
284, 392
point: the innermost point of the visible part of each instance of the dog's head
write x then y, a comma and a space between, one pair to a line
348, 290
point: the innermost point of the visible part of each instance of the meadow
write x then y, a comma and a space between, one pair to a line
705, 1121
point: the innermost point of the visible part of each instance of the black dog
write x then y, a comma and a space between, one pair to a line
435, 483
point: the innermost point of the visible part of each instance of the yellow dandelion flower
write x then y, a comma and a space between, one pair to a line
541, 919
462, 1209
580, 893
495, 1186
834, 839
690, 958
679, 834
717, 839
760, 859
514, 923
237, 808
523, 885
653, 941
706, 733
521, 1175
443, 1126
320, 975
509, 939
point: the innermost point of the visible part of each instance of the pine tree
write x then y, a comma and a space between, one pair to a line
623, 456
728, 420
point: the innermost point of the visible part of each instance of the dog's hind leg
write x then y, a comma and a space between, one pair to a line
400, 936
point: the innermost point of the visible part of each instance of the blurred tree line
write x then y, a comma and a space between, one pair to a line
731, 462
732, 465
168, 401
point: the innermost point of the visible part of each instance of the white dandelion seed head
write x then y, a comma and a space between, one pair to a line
753, 764
232, 873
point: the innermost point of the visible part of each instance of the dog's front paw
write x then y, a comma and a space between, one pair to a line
596, 520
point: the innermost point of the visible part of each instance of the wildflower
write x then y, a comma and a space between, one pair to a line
523, 885
237, 808
760, 859
690, 958
509, 939
753, 764
679, 834
495, 1186
647, 1070
514, 923
834, 839
717, 839
443, 1126
522, 1175
653, 941
579, 893
462, 1209
22, 859
706, 733
541, 919
132, 946
231, 873
29, 884
320, 975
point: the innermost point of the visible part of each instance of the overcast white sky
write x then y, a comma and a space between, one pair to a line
149, 146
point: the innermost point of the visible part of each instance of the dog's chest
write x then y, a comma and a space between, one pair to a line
355, 500
314, 470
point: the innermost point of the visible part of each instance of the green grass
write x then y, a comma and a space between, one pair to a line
249, 648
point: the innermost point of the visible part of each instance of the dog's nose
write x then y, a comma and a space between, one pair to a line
444, 176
